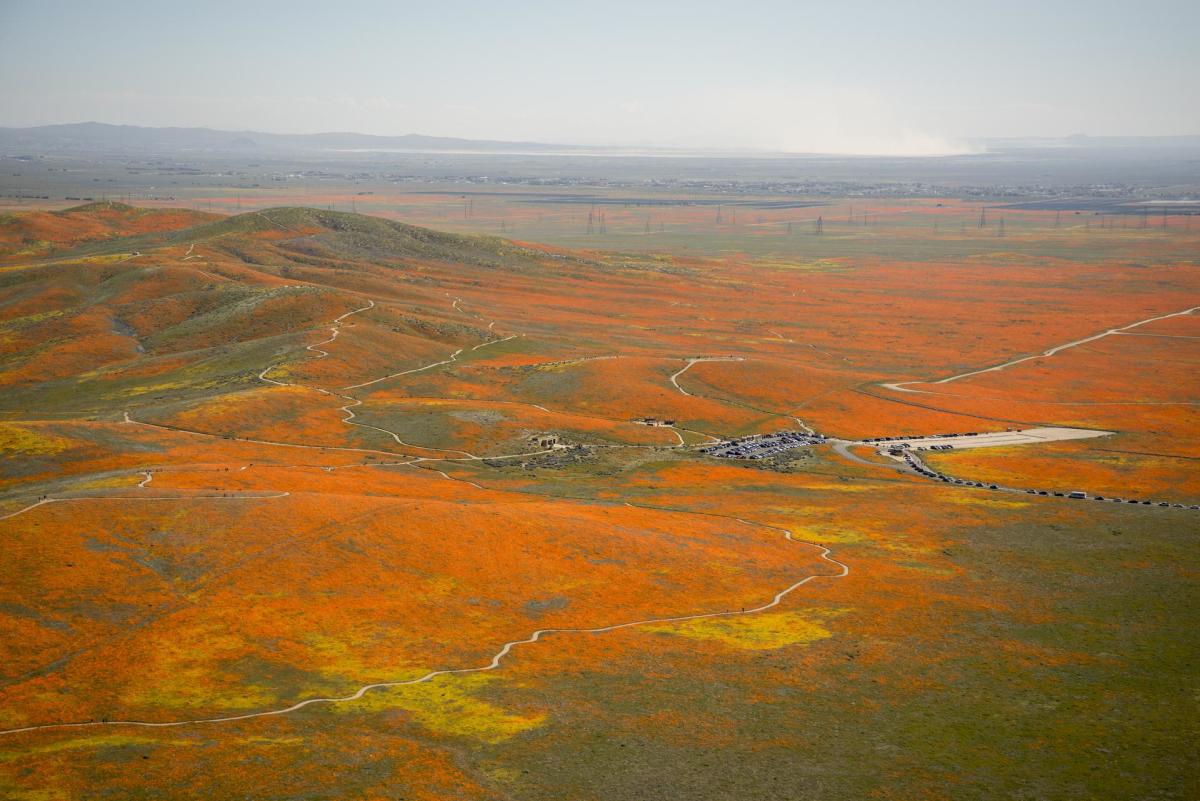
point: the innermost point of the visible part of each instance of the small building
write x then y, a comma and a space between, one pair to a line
545, 441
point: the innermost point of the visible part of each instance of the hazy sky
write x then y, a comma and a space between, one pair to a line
908, 76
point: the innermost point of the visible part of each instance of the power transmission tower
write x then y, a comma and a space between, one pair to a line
590, 214
789, 226
1000, 231
819, 227
1057, 218
718, 214
603, 224
983, 217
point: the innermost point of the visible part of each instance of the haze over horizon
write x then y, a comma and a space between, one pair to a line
861, 78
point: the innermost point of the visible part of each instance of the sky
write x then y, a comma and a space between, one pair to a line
918, 77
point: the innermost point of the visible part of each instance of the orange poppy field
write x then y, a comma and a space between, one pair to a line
299, 503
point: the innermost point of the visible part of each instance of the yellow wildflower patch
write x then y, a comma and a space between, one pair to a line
98, 740
758, 632
16, 439
992, 503
448, 705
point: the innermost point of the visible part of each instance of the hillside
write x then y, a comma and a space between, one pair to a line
297, 503
33, 234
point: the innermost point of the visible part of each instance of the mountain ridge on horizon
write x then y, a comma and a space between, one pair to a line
81, 135
92, 135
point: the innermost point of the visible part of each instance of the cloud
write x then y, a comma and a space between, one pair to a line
836, 120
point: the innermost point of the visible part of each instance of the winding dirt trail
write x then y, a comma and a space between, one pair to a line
902, 386
495, 662
453, 358
698, 360
351, 402
231, 495
675, 380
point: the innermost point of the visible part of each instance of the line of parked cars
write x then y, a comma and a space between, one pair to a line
1078, 495
919, 436
760, 446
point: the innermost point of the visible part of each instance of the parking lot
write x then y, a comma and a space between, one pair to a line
760, 446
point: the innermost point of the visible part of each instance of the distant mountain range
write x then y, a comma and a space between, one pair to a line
1085, 142
98, 136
